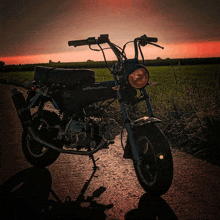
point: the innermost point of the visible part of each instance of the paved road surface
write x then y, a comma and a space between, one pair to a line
194, 194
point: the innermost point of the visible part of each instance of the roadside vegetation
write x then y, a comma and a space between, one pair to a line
188, 101
186, 98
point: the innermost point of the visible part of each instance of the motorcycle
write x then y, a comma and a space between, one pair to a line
82, 120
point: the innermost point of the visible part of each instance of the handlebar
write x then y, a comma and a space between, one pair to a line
152, 39
91, 40
104, 39
76, 43
143, 41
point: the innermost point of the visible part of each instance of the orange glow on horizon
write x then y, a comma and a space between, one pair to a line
183, 50
55, 57
193, 50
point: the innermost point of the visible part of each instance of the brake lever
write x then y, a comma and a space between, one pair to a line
156, 45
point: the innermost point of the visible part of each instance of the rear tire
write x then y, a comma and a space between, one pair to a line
155, 173
38, 154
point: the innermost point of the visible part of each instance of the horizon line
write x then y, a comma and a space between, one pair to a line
185, 58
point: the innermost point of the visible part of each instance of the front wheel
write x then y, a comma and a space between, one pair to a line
155, 173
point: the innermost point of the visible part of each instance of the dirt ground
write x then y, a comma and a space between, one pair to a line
194, 193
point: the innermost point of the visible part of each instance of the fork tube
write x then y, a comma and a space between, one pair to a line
127, 122
147, 99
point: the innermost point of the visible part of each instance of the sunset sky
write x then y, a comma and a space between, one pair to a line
38, 31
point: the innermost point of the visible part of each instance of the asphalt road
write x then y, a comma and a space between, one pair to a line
72, 184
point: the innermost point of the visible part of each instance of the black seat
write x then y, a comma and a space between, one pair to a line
61, 76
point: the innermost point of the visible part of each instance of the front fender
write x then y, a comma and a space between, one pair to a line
139, 128
145, 123
146, 120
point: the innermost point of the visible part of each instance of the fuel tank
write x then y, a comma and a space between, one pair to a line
79, 97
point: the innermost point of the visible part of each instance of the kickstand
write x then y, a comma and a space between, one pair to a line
81, 197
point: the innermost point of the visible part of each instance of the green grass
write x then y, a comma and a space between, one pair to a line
185, 88
17, 78
102, 74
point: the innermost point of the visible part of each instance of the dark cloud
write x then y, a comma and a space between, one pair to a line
191, 20
29, 26
43, 26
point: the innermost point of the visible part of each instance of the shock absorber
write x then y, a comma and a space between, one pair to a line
23, 112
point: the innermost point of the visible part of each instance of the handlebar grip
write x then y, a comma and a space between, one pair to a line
91, 40
76, 43
152, 39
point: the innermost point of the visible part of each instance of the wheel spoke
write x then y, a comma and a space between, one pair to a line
148, 168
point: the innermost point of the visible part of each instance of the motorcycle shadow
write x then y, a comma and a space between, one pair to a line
151, 207
26, 196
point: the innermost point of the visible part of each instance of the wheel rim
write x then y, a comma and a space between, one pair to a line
36, 149
148, 168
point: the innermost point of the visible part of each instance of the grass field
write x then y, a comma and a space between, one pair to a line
186, 98
179, 88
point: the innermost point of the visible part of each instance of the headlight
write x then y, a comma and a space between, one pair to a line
139, 78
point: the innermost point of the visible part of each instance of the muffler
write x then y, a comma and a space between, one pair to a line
23, 112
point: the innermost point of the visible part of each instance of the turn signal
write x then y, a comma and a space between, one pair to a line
139, 78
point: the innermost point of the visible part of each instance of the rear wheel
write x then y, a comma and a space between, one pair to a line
155, 173
38, 154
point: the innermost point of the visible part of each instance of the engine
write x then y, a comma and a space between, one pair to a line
76, 133
80, 134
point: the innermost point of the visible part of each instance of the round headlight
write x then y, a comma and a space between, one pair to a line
139, 78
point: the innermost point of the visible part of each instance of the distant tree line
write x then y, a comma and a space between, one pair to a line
93, 64
2, 63
186, 61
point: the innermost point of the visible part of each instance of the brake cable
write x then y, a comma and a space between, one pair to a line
98, 49
125, 46
103, 53
101, 49
121, 52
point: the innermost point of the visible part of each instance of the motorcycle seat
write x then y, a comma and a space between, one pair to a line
63, 77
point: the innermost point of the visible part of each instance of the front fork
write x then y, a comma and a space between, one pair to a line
127, 121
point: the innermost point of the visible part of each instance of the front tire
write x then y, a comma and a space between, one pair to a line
35, 153
155, 173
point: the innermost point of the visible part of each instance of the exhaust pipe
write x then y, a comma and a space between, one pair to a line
23, 112
77, 152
